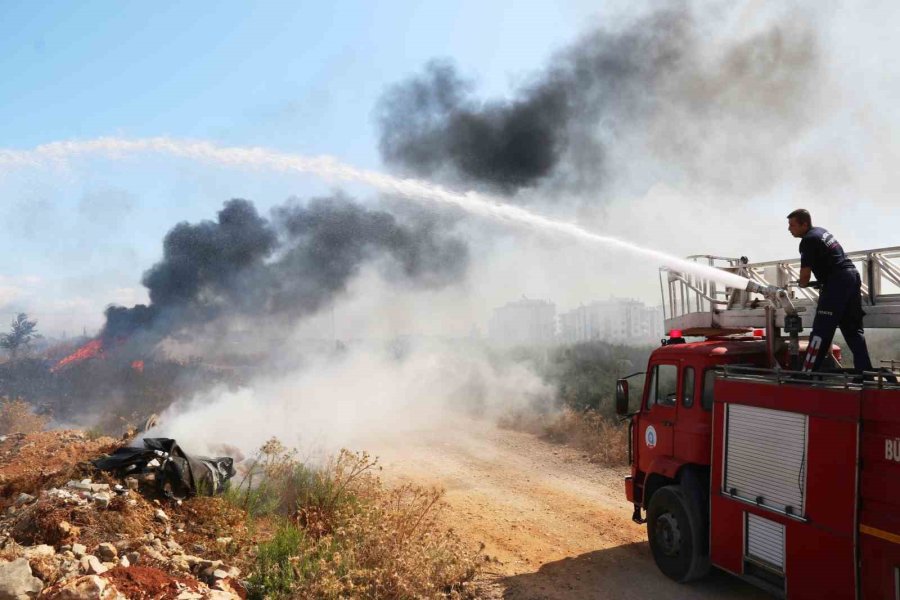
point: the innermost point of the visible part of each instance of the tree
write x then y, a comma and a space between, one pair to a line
21, 333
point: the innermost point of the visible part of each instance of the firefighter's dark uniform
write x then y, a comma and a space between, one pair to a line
839, 300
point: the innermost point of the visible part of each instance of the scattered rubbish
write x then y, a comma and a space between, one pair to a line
179, 475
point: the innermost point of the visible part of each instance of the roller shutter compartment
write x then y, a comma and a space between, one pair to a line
765, 542
765, 460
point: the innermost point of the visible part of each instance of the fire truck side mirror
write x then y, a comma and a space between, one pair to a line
621, 397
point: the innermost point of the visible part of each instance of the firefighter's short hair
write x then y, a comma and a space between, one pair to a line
802, 216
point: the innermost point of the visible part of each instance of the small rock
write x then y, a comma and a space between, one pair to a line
101, 499
89, 587
64, 528
41, 551
193, 560
223, 541
161, 516
131, 483
174, 546
11, 510
219, 574
107, 551
133, 557
124, 562
179, 563
189, 595
24, 499
17, 582
91, 565
210, 565
154, 554
79, 550
209, 573
222, 595
85, 485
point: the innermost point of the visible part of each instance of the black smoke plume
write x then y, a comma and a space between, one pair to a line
242, 264
659, 79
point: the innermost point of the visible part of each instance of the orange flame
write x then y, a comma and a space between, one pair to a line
92, 349
138, 365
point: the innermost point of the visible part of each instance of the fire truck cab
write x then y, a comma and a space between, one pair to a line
788, 480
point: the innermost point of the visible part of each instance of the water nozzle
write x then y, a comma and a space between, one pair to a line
778, 296
769, 291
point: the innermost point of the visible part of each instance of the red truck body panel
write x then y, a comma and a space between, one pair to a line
879, 516
844, 541
819, 545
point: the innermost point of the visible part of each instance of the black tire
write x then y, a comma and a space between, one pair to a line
675, 531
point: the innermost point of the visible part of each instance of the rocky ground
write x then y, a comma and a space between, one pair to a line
68, 531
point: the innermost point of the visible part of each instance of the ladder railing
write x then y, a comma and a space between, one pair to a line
687, 297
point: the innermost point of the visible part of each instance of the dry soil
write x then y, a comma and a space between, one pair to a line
554, 526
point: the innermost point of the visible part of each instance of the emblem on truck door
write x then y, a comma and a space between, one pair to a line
650, 437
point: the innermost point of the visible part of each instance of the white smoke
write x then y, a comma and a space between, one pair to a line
344, 399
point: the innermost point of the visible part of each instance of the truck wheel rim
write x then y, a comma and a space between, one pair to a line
668, 534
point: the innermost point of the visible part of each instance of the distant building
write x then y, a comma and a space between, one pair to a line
617, 320
524, 322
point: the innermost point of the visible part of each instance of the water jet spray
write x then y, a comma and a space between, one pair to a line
330, 168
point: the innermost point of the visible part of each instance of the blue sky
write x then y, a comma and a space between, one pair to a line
299, 76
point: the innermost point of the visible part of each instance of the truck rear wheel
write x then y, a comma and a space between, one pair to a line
675, 532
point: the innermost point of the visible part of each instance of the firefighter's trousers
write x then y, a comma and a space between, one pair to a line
840, 305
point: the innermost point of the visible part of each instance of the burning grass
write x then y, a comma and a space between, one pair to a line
341, 533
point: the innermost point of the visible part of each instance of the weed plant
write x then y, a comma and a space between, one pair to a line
342, 534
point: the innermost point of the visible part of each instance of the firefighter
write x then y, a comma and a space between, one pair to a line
840, 304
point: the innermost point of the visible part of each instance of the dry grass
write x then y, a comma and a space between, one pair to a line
603, 439
16, 417
345, 535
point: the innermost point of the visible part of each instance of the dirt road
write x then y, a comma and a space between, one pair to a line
554, 526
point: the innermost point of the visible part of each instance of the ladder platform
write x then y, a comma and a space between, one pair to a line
699, 306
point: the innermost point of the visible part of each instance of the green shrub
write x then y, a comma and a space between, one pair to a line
274, 573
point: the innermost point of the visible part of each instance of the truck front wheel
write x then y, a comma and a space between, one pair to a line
675, 534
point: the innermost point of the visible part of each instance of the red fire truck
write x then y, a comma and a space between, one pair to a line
788, 480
